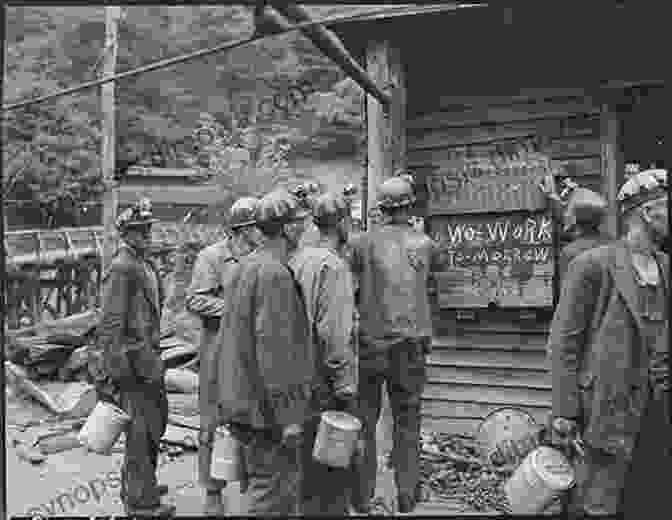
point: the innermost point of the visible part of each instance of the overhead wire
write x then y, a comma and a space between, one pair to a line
228, 46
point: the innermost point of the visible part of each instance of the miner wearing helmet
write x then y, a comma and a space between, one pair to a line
327, 285
266, 361
582, 212
133, 373
610, 371
391, 263
206, 298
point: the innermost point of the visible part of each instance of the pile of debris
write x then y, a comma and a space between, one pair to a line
59, 350
452, 468
47, 376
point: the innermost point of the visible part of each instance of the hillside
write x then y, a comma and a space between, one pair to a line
279, 89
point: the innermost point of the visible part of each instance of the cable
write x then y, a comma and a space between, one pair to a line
161, 64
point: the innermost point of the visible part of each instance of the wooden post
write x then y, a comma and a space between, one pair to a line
386, 128
612, 162
111, 196
3, 293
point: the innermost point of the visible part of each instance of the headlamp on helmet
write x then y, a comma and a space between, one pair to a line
641, 188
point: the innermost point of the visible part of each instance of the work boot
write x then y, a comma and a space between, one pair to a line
406, 503
214, 505
161, 511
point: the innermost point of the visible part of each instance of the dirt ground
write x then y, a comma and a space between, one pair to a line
77, 483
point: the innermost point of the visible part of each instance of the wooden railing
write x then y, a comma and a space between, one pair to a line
56, 273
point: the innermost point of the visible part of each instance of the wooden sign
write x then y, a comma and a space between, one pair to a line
506, 260
496, 183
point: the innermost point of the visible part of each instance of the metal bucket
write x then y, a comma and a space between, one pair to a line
103, 428
336, 439
227, 462
542, 477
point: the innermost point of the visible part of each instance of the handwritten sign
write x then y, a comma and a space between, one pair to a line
506, 260
495, 183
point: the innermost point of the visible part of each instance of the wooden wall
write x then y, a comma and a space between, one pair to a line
488, 358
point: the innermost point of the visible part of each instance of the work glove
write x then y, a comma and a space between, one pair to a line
292, 435
345, 398
566, 436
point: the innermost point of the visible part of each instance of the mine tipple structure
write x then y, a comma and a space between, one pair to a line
483, 103
54, 273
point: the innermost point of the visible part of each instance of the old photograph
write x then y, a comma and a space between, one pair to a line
280, 259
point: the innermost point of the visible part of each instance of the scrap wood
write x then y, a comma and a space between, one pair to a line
190, 423
18, 377
179, 436
27, 453
59, 443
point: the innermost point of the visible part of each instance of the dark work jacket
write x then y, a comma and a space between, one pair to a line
578, 246
265, 364
130, 326
391, 265
599, 365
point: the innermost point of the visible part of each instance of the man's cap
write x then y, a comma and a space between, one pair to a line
138, 215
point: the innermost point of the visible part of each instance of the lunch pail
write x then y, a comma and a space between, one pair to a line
541, 478
103, 427
336, 439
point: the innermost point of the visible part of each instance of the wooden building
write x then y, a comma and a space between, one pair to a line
174, 193
485, 101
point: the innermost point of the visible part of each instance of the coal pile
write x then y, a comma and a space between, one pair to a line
452, 468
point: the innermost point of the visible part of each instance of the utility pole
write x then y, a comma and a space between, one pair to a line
111, 196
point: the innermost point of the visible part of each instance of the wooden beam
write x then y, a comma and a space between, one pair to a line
612, 163
111, 196
332, 47
386, 129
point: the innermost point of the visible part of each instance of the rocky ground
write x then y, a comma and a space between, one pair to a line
77, 483
62, 479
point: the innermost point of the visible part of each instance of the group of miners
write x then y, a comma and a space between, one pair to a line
298, 317
293, 327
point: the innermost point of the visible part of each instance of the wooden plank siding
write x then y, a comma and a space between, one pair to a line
497, 359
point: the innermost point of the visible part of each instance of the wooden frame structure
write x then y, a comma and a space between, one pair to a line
478, 84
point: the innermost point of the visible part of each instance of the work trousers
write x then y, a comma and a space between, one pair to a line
274, 476
147, 405
611, 484
402, 368
205, 444
325, 490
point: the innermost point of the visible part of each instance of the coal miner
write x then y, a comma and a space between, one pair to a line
610, 371
128, 336
205, 298
391, 263
582, 213
326, 282
266, 363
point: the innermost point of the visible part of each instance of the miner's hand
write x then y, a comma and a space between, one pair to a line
292, 435
564, 432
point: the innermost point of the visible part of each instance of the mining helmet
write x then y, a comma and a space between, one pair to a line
329, 209
243, 212
395, 193
584, 206
279, 207
138, 215
641, 188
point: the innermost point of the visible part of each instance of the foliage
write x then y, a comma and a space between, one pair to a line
53, 148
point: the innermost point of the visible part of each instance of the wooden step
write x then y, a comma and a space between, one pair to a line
487, 394
472, 357
487, 376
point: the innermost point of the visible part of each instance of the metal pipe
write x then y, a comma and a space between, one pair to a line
333, 48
